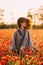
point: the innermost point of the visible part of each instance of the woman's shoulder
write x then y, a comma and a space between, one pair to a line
27, 31
16, 31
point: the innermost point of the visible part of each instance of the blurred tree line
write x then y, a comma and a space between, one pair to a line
8, 26
38, 26
4, 26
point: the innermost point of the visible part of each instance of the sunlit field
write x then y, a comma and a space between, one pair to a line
8, 57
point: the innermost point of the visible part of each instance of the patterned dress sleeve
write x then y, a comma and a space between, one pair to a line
30, 42
13, 45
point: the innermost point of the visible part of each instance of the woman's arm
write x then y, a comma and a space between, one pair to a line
30, 43
13, 46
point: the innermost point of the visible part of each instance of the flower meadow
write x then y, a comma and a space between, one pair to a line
8, 57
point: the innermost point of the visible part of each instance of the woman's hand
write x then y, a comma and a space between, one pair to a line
22, 48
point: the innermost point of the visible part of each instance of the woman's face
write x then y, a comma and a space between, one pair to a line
23, 25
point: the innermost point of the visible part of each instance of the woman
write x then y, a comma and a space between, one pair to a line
21, 38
